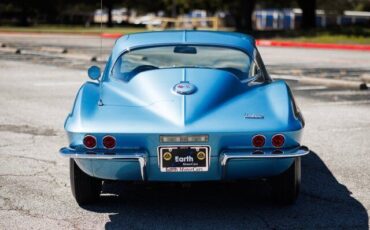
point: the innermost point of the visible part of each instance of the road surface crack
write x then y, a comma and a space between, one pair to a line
27, 130
30, 158
27, 212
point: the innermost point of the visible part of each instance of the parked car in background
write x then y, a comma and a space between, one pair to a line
148, 19
118, 16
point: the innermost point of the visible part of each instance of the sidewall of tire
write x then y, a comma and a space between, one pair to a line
85, 189
286, 186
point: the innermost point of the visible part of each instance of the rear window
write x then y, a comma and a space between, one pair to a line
182, 56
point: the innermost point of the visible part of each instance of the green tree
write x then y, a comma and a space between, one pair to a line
342, 5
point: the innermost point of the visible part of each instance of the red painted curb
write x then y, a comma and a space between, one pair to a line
111, 35
312, 45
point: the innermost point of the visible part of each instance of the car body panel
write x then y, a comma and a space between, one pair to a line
184, 114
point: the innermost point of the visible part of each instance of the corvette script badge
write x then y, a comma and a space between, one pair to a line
184, 88
253, 116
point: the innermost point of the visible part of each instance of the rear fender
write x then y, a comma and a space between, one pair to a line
84, 107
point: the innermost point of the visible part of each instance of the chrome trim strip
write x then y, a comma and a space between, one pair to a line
141, 157
267, 154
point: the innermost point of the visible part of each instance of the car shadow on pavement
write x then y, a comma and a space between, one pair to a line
323, 203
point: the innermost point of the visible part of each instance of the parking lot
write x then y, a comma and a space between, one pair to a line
37, 92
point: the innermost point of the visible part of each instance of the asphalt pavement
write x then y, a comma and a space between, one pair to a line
37, 93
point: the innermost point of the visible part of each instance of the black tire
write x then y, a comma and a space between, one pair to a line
85, 189
285, 187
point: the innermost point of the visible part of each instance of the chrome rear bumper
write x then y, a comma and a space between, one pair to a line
226, 158
139, 155
270, 153
241, 154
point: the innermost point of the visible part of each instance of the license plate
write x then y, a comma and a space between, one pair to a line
184, 158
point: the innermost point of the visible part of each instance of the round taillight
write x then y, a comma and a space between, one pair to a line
278, 140
89, 141
109, 142
258, 141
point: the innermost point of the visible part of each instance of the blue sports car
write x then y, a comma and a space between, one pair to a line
184, 106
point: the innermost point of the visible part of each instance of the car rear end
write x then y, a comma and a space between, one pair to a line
183, 157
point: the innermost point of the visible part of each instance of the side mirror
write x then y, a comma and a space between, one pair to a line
94, 72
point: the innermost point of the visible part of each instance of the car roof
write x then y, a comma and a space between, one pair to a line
229, 39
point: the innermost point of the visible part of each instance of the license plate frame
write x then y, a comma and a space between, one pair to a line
184, 158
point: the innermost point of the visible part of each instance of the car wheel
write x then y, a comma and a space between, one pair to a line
285, 187
85, 189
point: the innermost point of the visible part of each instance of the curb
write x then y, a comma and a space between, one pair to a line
78, 56
262, 42
10, 50
52, 49
75, 56
259, 42
334, 83
111, 35
366, 78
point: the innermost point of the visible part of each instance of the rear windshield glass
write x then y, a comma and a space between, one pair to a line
164, 57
